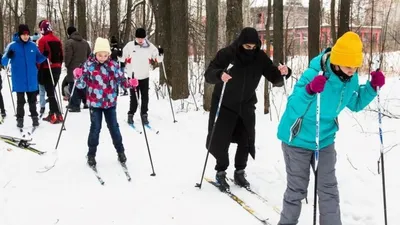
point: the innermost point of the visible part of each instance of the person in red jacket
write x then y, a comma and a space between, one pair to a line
50, 70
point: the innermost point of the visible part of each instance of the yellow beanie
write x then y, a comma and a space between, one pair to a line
347, 51
101, 45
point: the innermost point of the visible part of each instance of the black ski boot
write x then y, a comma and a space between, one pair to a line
20, 122
240, 179
221, 180
91, 160
130, 118
121, 157
145, 119
35, 121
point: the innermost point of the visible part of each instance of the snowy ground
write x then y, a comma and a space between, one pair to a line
70, 194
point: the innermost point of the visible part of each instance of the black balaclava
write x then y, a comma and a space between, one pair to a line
248, 35
23, 29
342, 76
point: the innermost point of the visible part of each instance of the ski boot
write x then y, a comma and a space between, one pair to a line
20, 122
35, 121
220, 177
145, 119
240, 180
130, 118
91, 160
121, 157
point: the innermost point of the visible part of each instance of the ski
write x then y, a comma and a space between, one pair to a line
265, 201
135, 128
21, 143
151, 128
240, 202
126, 171
96, 173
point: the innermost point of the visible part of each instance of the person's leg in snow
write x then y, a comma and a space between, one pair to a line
96, 117
242, 154
110, 116
42, 98
20, 109
54, 113
298, 163
2, 109
133, 104
32, 96
144, 91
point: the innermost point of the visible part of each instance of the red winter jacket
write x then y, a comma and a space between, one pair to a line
52, 45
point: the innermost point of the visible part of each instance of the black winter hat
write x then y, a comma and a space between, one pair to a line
23, 29
249, 35
71, 30
140, 33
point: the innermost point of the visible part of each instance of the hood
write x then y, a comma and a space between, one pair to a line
248, 35
145, 44
76, 36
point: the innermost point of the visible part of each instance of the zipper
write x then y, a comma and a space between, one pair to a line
26, 68
341, 97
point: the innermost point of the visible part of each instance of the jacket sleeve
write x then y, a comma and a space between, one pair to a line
39, 57
89, 50
5, 59
216, 67
361, 97
125, 52
300, 100
68, 53
119, 76
81, 83
272, 73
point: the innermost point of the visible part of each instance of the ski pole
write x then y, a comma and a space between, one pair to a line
47, 168
382, 153
212, 131
316, 153
145, 135
169, 93
9, 85
54, 87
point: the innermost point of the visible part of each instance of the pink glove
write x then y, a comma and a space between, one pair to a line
133, 82
316, 85
77, 72
377, 79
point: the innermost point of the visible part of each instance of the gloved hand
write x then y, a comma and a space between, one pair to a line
10, 53
45, 53
377, 79
128, 60
119, 52
77, 72
316, 85
160, 50
133, 82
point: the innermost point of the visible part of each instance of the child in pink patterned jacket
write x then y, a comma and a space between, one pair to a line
102, 76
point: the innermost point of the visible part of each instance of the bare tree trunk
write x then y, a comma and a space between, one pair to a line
2, 23
71, 13
16, 16
30, 12
278, 31
82, 18
234, 20
267, 103
383, 38
344, 17
179, 63
211, 46
333, 22
128, 21
114, 21
371, 37
144, 14
164, 37
313, 28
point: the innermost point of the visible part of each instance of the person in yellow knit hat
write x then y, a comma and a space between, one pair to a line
338, 88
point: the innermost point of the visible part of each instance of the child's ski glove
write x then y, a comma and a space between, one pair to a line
77, 72
133, 82
377, 79
316, 85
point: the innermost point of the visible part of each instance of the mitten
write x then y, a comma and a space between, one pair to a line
77, 73
316, 85
377, 79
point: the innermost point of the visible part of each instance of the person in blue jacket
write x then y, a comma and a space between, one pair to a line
338, 88
23, 55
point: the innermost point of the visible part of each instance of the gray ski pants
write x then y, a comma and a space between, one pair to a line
298, 163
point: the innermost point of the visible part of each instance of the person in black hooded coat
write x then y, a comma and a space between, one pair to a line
236, 120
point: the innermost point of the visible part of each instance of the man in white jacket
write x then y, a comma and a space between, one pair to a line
140, 56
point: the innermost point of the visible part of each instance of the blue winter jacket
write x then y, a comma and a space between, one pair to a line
24, 73
298, 124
